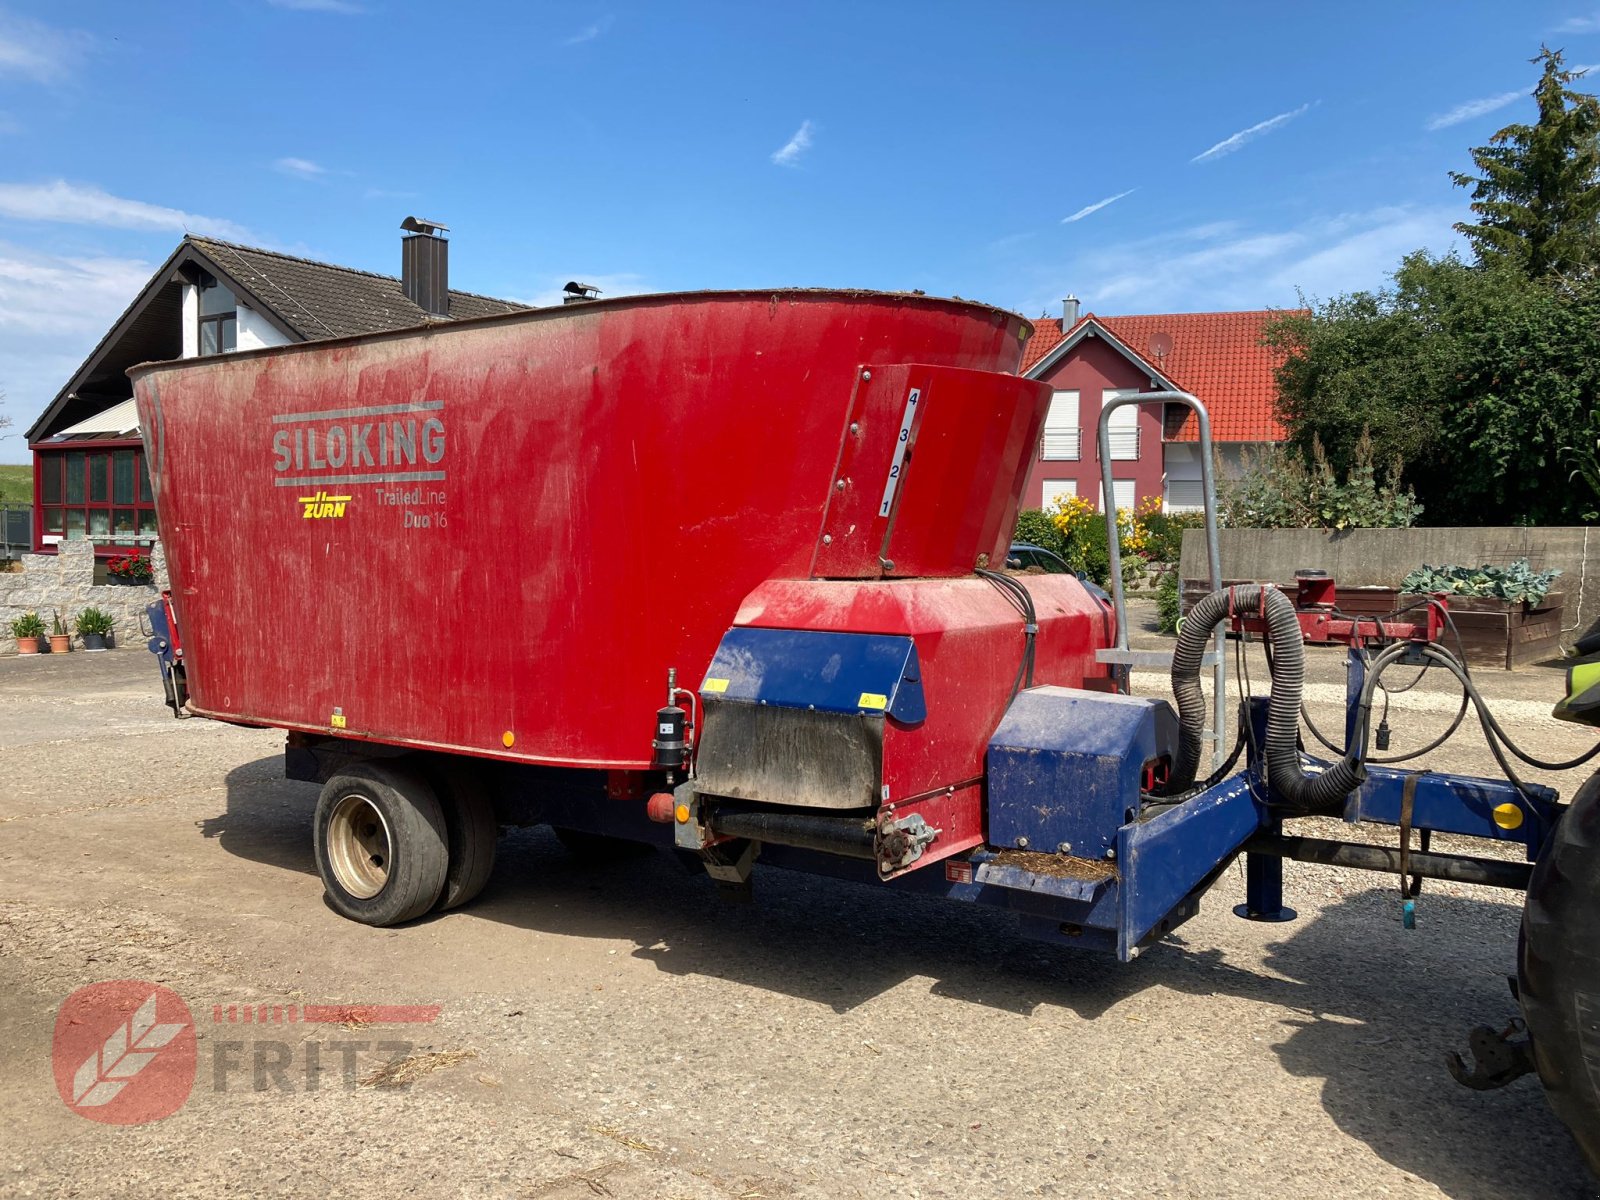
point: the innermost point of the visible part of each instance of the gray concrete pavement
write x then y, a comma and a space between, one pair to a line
634, 1037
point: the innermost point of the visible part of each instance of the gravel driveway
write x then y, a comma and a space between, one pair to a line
619, 1031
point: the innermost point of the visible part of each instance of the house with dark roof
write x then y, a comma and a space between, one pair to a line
211, 297
1153, 448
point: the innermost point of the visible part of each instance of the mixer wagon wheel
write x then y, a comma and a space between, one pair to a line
470, 831
1558, 968
381, 843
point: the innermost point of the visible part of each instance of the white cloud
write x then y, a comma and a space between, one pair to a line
1580, 25
589, 32
33, 50
342, 7
53, 309
1234, 141
1229, 265
1473, 108
302, 167
789, 154
621, 284
85, 204
1096, 207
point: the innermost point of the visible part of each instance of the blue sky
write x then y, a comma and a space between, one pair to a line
1152, 157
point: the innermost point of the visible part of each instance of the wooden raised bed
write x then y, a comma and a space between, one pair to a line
1494, 633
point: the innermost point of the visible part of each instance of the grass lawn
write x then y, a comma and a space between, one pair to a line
16, 483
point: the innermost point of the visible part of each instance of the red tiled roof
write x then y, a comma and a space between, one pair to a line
1046, 337
1217, 356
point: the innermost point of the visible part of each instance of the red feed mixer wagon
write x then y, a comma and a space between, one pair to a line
724, 572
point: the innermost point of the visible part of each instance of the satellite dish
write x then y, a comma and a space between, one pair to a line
1160, 345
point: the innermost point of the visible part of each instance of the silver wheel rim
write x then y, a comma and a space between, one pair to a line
360, 849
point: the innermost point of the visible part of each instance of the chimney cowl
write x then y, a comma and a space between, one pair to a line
1069, 312
425, 265
576, 292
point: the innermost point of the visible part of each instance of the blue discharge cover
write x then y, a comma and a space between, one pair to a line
808, 668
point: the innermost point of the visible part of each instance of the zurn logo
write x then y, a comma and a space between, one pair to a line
323, 505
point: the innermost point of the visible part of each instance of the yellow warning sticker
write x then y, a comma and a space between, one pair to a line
872, 700
337, 719
715, 685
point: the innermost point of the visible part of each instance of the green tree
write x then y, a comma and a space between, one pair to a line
1481, 382
1537, 198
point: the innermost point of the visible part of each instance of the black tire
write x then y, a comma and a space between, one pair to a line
470, 832
597, 848
381, 845
1558, 969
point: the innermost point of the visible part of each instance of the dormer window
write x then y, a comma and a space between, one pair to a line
219, 317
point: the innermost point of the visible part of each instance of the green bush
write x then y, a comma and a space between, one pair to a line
1169, 601
1165, 543
1035, 527
1280, 490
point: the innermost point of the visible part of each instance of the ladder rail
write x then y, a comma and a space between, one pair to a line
1208, 484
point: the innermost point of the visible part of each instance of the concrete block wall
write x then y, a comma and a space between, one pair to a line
64, 582
1383, 557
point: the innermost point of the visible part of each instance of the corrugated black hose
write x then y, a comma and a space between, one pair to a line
1298, 791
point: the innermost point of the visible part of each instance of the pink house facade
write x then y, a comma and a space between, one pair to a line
1153, 449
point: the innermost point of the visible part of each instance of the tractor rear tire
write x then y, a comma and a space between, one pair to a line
380, 842
1558, 969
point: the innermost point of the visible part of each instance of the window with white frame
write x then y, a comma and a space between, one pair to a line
1122, 434
1122, 492
1063, 436
1057, 489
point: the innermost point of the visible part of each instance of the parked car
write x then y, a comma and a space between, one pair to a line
1025, 554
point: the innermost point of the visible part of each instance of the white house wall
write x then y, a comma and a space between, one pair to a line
191, 320
255, 332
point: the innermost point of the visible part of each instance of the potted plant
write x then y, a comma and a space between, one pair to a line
60, 636
131, 568
94, 626
27, 629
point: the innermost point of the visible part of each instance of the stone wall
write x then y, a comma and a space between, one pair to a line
1383, 557
64, 583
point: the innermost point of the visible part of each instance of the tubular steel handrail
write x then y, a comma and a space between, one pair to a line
1121, 653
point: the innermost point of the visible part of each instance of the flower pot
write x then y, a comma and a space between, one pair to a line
94, 641
27, 645
60, 643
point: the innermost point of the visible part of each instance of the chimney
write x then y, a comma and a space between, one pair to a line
1069, 313
425, 266
576, 292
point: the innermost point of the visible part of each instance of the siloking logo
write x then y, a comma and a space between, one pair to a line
124, 1052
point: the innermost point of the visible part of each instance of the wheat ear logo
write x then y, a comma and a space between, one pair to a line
124, 1052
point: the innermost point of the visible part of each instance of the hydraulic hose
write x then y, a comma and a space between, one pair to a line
1298, 791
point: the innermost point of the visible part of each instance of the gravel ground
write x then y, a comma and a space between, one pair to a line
631, 1036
